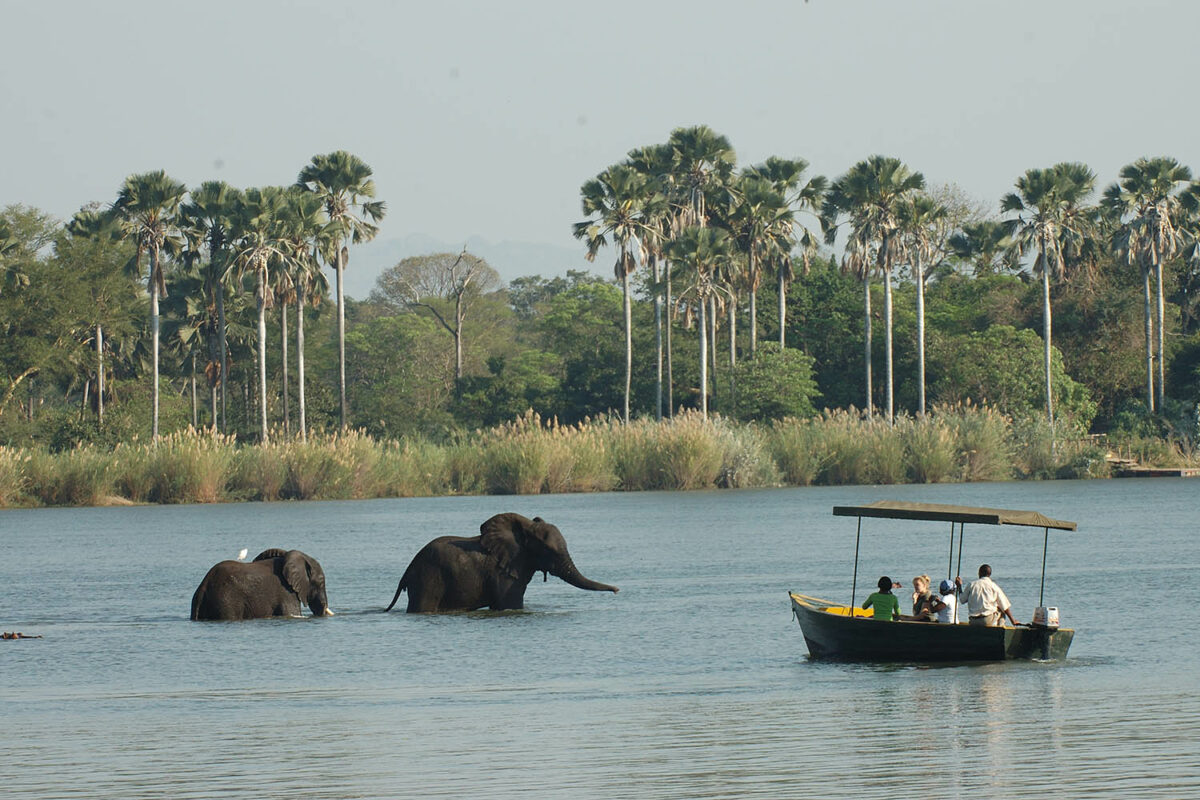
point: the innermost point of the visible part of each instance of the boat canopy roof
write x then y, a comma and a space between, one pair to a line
939, 512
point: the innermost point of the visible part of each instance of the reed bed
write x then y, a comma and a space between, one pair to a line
532, 456
13, 475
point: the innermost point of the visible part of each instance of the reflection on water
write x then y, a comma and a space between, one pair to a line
691, 683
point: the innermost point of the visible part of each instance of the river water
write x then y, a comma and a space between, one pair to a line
692, 682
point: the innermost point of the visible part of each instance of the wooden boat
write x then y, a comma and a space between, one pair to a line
838, 631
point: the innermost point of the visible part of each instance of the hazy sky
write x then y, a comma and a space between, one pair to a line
484, 118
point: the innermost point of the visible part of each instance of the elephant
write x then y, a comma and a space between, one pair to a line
459, 573
275, 584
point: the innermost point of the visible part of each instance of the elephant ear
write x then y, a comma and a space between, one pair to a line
272, 552
295, 572
502, 537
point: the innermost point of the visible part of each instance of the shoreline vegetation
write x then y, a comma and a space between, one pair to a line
961, 443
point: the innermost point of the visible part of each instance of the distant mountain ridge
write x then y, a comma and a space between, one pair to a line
510, 259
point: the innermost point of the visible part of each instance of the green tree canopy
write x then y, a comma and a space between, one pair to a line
1002, 367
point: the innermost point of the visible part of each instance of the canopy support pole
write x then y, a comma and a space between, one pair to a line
950, 566
961, 525
1045, 548
854, 581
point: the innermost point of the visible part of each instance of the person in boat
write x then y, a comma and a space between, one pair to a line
885, 604
949, 598
986, 602
925, 603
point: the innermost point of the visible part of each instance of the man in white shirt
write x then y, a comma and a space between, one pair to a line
986, 601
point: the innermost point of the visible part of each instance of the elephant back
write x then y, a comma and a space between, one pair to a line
271, 552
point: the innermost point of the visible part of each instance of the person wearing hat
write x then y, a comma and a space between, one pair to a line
949, 602
885, 604
986, 601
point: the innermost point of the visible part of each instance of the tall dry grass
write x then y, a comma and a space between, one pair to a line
531, 456
78, 477
13, 472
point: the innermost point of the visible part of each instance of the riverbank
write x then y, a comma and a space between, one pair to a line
532, 456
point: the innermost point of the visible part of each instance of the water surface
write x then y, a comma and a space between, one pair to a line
692, 682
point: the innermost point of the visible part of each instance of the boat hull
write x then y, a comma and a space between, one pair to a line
845, 638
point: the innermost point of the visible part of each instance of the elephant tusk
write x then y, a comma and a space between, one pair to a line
328, 612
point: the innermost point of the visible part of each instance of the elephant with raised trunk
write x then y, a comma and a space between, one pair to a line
459, 573
277, 583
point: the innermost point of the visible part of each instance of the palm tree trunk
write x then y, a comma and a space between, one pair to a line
628, 306
867, 342
224, 345
192, 386
670, 370
887, 338
712, 332
99, 375
733, 357
658, 340
300, 358
782, 307
703, 357
1162, 361
753, 307
341, 336
262, 359
1046, 333
283, 351
154, 335
920, 340
1149, 340
753, 323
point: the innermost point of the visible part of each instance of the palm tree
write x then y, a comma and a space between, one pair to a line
284, 292
702, 164
306, 234
10, 245
257, 246
654, 162
760, 219
207, 218
702, 161
871, 194
787, 176
1046, 206
343, 182
617, 202
704, 251
987, 245
147, 207
921, 219
1151, 195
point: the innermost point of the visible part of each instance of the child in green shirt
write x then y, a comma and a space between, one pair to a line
884, 602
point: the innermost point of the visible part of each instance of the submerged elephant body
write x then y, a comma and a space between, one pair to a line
459, 573
277, 583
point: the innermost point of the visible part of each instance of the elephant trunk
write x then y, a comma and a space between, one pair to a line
319, 604
571, 574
